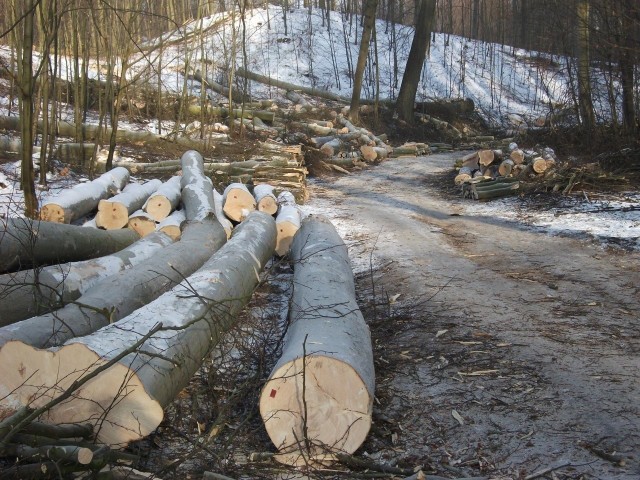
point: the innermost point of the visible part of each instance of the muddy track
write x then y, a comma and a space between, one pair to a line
508, 351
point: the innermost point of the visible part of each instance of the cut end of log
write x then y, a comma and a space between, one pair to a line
159, 207
268, 204
238, 203
286, 232
111, 215
172, 230
52, 212
116, 402
338, 406
142, 226
539, 165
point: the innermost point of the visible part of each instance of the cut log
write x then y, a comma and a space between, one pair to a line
220, 216
287, 223
486, 157
266, 200
517, 156
298, 99
371, 154
114, 213
236, 96
505, 168
142, 223
25, 243
538, 165
126, 401
120, 294
487, 190
238, 202
290, 86
79, 154
464, 175
164, 200
65, 453
82, 199
173, 224
331, 147
27, 293
319, 396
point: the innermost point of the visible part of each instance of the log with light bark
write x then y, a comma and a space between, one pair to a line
173, 224
287, 223
164, 200
266, 200
538, 165
82, 199
464, 175
27, 293
223, 112
256, 77
126, 401
517, 156
25, 243
487, 190
319, 396
331, 147
298, 100
238, 202
142, 223
371, 154
471, 161
114, 212
75, 153
313, 128
236, 96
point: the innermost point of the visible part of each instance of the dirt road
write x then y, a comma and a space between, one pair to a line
508, 351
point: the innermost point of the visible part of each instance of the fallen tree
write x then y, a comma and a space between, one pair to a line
25, 243
319, 396
164, 200
27, 293
126, 401
114, 212
82, 199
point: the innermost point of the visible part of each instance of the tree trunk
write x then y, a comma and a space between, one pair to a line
25, 243
319, 396
164, 200
369, 13
126, 401
31, 292
584, 79
425, 20
76, 202
114, 212
218, 201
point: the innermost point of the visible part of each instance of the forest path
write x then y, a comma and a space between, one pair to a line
532, 341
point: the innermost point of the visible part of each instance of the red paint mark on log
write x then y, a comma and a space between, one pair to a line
273, 393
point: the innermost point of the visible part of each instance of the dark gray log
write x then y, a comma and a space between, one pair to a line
327, 354
27, 293
26, 243
127, 400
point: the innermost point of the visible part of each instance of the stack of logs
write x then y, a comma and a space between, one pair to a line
496, 170
138, 322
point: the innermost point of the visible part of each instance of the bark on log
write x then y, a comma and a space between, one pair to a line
82, 199
290, 86
27, 293
75, 153
218, 201
173, 224
266, 200
288, 223
238, 202
223, 112
236, 96
66, 453
505, 168
164, 200
142, 223
319, 395
126, 401
371, 154
538, 165
25, 243
471, 161
298, 99
114, 212
517, 156
331, 147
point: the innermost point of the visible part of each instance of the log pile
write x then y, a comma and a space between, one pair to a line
490, 173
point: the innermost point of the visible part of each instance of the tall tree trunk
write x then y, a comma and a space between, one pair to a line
585, 102
629, 116
26, 111
369, 19
425, 20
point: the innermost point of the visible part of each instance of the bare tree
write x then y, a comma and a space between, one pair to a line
369, 13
